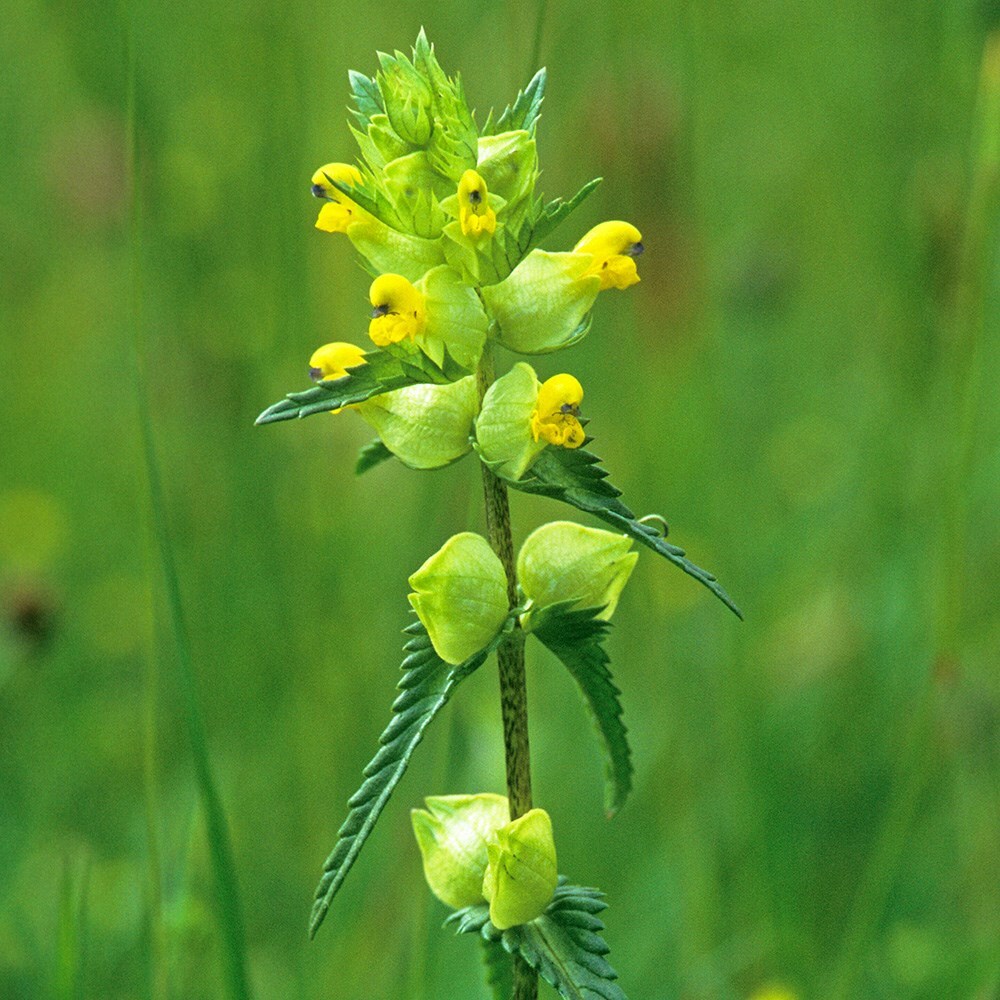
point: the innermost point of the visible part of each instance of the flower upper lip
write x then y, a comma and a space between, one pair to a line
633, 250
383, 310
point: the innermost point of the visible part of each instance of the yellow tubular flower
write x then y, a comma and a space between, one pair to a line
399, 310
556, 417
339, 211
614, 247
331, 361
474, 212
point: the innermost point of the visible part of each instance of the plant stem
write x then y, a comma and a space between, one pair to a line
510, 660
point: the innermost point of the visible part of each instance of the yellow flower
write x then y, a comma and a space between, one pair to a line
331, 361
399, 310
614, 247
556, 417
339, 211
474, 212
521, 875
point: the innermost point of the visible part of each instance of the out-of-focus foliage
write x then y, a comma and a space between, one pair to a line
814, 795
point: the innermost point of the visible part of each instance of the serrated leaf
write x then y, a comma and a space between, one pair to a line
381, 372
563, 944
557, 210
372, 454
575, 477
499, 970
524, 112
576, 638
425, 687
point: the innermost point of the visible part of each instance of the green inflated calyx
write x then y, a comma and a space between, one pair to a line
521, 875
544, 304
503, 428
563, 561
460, 596
452, 833
425, 426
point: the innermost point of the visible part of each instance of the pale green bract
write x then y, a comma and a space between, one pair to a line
460, 596
425, 426
563, 561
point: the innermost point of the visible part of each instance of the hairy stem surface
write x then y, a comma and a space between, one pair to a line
510, 659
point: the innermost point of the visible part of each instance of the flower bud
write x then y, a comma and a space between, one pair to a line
407, 96
544, 303
508, 163
563, 561
521, 875
460, 596
452, 833
426, 426
503, 428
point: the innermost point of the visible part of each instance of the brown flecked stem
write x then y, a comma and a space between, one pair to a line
510, 660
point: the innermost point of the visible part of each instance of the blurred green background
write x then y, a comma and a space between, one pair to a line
804, 384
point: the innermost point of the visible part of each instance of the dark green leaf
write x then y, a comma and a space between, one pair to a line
563, 944
575, 476
372, 454
499, 970
575, 637
426, 685
382, 372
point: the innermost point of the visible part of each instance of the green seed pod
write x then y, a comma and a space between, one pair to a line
455, 318
426, 426
460, 596
452, 833
544, 304
521, 875
503, 428
563, 561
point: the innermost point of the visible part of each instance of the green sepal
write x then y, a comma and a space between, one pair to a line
366, 96
371, 454
382, 372
499, 969
503, 427
425, 426
457, 324
425, 687
544, 304
524, 112
563, 945
575, 477
576, 637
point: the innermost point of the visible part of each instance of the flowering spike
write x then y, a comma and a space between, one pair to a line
399, 310
614, 247
556, 417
